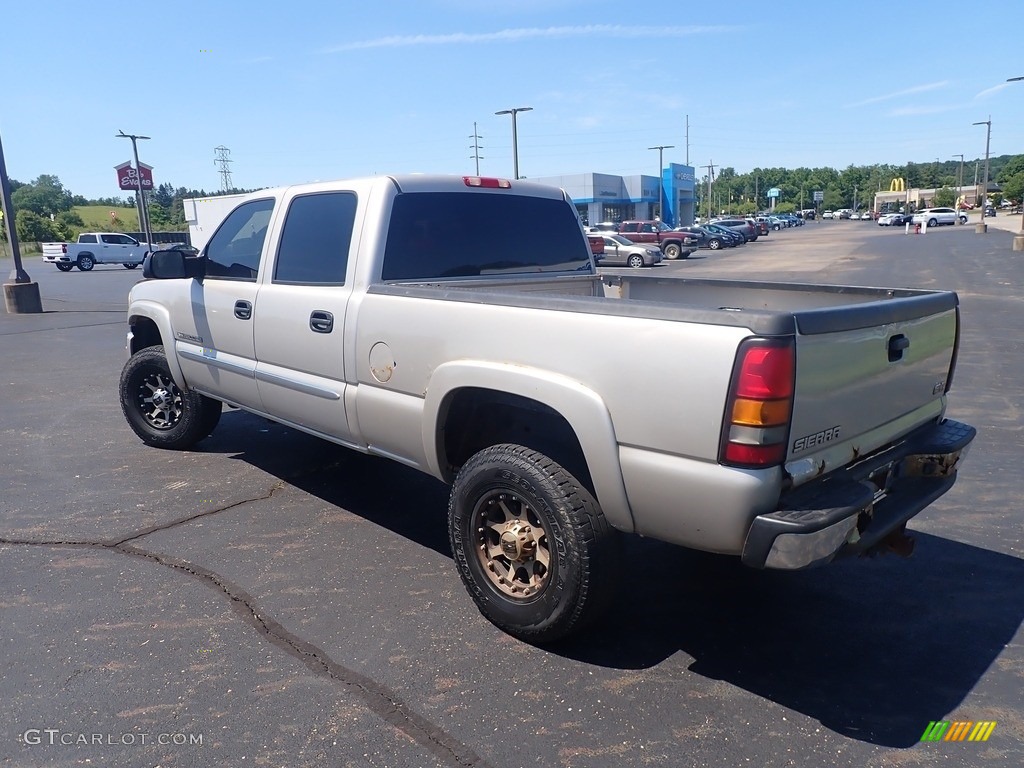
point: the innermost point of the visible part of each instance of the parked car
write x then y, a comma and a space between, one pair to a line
736, 237
188, 250
708, 239
827, 214
672, 245
933, 217
892, 220
621, 251
744, 227
989, 211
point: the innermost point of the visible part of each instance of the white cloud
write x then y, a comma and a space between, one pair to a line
896, 94
526, 33
989, 91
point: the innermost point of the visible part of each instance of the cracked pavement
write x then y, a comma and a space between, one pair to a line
293, 603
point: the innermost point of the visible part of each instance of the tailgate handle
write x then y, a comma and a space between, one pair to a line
897, 345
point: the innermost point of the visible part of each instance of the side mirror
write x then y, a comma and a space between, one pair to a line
171, 265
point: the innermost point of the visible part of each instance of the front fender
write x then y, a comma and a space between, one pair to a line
161, 318
580, 406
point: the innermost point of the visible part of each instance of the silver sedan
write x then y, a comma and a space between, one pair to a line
621, 251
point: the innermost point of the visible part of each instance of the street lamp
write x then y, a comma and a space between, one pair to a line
21, 295
661, 169
1018, 239
143, 211
983, 227
515, 142
959, 185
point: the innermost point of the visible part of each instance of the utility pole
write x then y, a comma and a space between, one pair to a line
223, 160
711, 172
144, 211
475, 146
661, 172
959, 185
983, 227
687, 139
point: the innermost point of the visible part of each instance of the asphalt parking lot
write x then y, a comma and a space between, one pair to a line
273, 600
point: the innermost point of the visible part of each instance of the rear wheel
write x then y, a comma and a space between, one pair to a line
932, 222
65, 267
531, 545
86, 262
157, 410
126, 265
636, 261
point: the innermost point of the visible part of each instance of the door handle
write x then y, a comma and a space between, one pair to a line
321, 321
243, 309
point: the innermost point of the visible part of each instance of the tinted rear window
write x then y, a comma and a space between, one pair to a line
462, 234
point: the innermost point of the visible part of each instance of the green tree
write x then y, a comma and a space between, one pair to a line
33, 228
1011, 178
944, 197
45, 196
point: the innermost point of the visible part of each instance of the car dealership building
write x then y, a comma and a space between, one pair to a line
603, 197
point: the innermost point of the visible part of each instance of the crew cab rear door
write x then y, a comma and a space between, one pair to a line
299, 317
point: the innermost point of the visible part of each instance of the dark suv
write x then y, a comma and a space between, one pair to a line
742, 226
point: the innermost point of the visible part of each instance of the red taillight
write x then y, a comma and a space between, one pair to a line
760, 404
487, 182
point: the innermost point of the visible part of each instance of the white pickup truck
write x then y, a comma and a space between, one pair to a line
95, 248
804, 423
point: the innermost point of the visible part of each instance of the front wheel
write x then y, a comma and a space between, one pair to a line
157, 410
714, 245
531, 545
963, 219
86, 262
126, 265
65, 267
672, 251
636, 261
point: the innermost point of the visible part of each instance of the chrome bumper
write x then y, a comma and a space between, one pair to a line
854, 510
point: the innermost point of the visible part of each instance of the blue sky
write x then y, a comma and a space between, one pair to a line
300, 91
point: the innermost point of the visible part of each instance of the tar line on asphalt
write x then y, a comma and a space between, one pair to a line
377, 698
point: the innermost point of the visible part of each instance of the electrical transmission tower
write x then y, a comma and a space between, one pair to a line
223, 161
475, 146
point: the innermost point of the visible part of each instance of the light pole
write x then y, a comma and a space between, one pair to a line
143, 211
661, 169
1018, 239
983, 227
515, 141
21, 295
959, 185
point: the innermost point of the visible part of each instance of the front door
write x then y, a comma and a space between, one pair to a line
214, 331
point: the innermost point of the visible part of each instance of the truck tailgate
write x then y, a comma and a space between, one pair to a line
867, 375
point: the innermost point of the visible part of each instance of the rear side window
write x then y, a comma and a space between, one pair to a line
316, 237
463, 234
87, 239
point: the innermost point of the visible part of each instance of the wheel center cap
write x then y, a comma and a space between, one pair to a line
161, 399
518, 542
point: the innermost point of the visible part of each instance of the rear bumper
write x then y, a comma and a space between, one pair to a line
854, 510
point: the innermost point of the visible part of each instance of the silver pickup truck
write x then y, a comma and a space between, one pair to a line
804, 422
